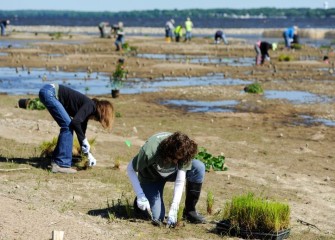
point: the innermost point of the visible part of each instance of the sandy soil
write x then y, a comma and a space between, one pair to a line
266, 151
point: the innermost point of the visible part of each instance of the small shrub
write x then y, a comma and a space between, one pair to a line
254, 88
257, 214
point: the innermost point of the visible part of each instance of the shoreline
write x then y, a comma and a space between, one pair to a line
312, 33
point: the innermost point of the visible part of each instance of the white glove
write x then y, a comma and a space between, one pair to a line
91, 160
143, 203
267, 58
85, 147
172, 217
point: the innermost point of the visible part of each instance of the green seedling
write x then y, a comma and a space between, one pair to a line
210, 202
254, 88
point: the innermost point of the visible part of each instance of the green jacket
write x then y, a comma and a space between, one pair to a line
149, 166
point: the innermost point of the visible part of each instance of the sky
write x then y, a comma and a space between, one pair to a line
129, 5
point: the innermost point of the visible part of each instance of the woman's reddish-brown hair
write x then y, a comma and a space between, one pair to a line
177, 148
104, 113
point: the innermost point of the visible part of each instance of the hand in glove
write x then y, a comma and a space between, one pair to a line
143, 203
85, 146
91, 160
172, 217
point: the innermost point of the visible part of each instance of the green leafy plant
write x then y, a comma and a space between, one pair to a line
285, 58
256, 214
254, 88
210, 202
118, 76
210, 161
35, 104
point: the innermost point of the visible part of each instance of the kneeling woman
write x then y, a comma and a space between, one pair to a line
72, 110
167, 157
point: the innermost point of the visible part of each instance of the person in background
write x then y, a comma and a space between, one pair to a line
119, 37
167, 157
326, 59
262, 51
219, 35
188, 28
169, 29
3, 25
72, 110
288, 35
178, 33
102, 28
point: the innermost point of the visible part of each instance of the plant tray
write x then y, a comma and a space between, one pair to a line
224, 227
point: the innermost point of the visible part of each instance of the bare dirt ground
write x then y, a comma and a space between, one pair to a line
266, 151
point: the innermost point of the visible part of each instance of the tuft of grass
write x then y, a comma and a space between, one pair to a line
254, 88
180, 215
81, 161
210, 202
285, 58
257, 214
296, 46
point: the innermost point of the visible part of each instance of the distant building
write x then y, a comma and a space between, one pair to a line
325, 5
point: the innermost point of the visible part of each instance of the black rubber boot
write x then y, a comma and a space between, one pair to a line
192, 196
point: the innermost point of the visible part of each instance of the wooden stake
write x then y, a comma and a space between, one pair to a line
57, 235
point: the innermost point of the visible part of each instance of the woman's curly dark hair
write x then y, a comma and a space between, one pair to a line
177, 148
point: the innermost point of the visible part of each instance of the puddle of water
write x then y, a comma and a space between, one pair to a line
3, 54
202, 106
199, 59
23, 43
22, 82
308, 120
296, 97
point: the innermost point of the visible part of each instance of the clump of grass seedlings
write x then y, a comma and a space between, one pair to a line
257, 214
210, 202
285, 58
47, 147
80, 160
254, 88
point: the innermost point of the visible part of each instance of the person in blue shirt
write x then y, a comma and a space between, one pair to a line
288, 35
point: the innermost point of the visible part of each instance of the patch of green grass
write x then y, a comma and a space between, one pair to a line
254, 88
35, 104
257, 214
296, 46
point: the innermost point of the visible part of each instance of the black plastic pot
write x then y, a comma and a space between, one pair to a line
115, 93
225, 228
23, 102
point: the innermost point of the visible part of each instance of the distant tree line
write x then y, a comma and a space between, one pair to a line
159, 17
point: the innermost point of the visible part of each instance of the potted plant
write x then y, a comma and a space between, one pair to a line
117, 78
248, 216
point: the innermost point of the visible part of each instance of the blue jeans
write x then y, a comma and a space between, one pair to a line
188, 35
62, 154
287, 40
3, 29
154, 191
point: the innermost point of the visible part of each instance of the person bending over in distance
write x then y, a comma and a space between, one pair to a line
72, 110
289, 34
3, 25
262, 51
219, 35
167, 157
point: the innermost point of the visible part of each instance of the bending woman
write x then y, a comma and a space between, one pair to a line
72, 110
